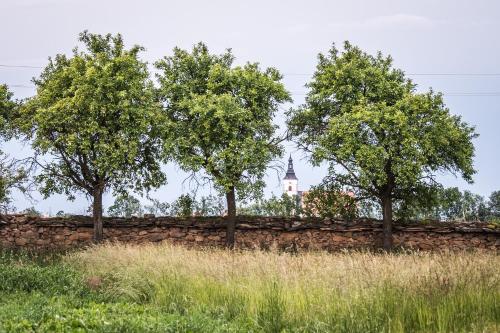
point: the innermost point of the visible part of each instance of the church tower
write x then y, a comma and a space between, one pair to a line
290, 182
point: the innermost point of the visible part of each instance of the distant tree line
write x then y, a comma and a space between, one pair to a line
99, 123
451, 204
126, 205
448, 204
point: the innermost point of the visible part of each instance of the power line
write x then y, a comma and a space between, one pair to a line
310, 74
453, 74
421, 74
458, 93
461, 93
450, 94
20, 86
19, 66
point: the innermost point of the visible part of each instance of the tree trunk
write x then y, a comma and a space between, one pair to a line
97, 215
387, 224
231, 218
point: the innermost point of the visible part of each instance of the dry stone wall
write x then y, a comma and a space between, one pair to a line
21, 231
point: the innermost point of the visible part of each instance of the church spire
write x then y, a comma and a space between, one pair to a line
290, 173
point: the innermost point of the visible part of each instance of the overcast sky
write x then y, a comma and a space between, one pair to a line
424, 38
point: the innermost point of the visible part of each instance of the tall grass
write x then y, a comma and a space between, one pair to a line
309, 292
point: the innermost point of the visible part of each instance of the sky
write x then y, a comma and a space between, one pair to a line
452, 46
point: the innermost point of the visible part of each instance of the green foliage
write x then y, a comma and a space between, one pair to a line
365, 116
473, 206
45, 294
183, 206
285, 205
157, 207
329, 201
220, 117
33, 312
13, 173
494, 204
21, 273
271, 315
7, 111
368, 209
210, 205
254, 208
94, 115
61, 213
448, 204
125, 205
420, 207
31, 211
382, 139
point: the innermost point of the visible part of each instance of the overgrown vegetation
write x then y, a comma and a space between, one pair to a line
120, 288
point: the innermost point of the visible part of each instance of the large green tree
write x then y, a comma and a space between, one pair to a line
13, 172
220, 120
93, 118
382, 139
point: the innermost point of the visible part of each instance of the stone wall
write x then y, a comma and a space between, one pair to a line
21, 231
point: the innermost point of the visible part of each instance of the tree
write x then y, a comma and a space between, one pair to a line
61, 213
157, 207
13, 173
473, 206
425, 206
220, 120
7, 108
255, 208
285, 205
94, 117
31, 211
450, 203
494, 204
329, 201
183, 206
210, 205
125, 205
382, 139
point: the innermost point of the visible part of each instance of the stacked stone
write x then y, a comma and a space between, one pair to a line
22, 231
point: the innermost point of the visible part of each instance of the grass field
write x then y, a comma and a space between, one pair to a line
148, 288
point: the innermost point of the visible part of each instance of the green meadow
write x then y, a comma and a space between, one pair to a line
163, 288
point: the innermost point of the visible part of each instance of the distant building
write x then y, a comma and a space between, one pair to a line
291, 188
290, 182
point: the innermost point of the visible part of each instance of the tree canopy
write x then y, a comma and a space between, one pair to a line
494, 204
93, 118
125, 205
381, 138
13, 172
220, 120
7, 107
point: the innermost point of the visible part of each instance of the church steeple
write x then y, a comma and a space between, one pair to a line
290, 173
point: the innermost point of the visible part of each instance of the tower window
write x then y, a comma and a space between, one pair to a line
289, 188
